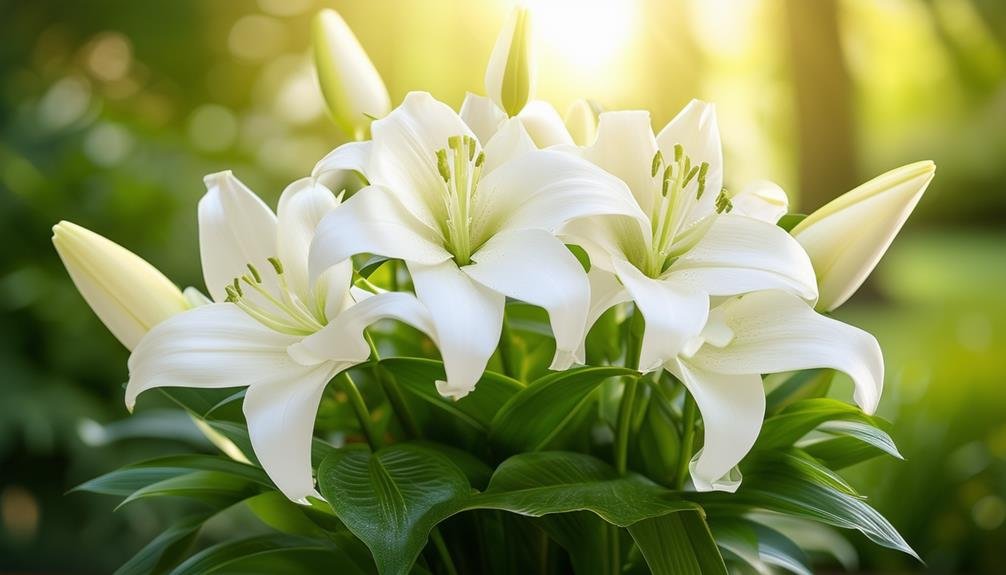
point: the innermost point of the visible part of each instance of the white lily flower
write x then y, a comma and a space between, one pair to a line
473, 223
847, 237
760, 333
761, 199
510, 74
271, 328
129, 295
691, 247
540, 120
352, 87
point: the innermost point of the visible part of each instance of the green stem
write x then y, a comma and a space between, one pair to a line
445, 554
394, 393
360, 407
506, 350
688, 438
625, 423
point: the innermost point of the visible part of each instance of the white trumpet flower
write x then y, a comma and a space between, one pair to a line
473, 223
129, 295
691, 247
271, 328
353, 89
759, 333
847, 237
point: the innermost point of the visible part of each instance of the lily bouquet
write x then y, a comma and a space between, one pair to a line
523, 345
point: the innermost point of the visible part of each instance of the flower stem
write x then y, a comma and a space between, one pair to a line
445, 554
624, 425
394, 393
360, 407
687, 439
506, 349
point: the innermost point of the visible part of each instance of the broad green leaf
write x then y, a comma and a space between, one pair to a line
392, 498
806, 384
283, 515
212, 487
776, 549
270, 554
477, 409
126, 480
852, 443
802, 417
548, 482
533, 417
678, 544
758, 546
165, 550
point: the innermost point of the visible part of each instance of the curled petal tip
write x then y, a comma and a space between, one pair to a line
445, 389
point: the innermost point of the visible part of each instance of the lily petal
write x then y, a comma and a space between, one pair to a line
581, 122
695, 127
374, 222
303, 204
605, 292
733, 408
349, 157
544, 124
544, 189
403, 158
535, 267
674, 314
774, 331
761, 199
211, 346
739, 254
235, 229
280, 415
509, 142
342, 340
468, 318
625, 147
482, 115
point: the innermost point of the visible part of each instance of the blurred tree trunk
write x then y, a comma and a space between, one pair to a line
823, 98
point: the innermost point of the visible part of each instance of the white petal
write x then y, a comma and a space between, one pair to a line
581, 121
535, 267
235, 229
509, 142
739, 254
544, 124
468, 318
350, 157
374, 222
342, 340
482, 116
280, 415
775, 331
696, 129
211, 346
732, 408
674, 314
403, 157
605, 292
848, 236
761, 199
544, 189
625, 147
303, 204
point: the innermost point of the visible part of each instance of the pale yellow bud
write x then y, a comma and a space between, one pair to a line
847, 237
510, 74
581, 121
353, 89
128, 294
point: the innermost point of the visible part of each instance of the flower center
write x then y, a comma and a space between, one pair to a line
673, 232
460, 165
275, 306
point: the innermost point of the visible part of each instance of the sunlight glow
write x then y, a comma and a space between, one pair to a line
587, 34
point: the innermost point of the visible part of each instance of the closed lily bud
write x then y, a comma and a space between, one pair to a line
581, 121
353, 89
847, 237
510, 74
128, 294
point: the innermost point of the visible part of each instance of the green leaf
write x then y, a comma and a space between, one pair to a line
548, 482
789, 221
678, 543
477, 409
165, 550
853, 442
392, 498
801, 417
533, 417
127, 480
270, 554
776, 549
806, 384
213, 487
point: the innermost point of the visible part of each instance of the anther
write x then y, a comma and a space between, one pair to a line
471, 148
445, 172
679, 151
480, 160
658, 159
237, 287
454, 142
276, 265
255, 274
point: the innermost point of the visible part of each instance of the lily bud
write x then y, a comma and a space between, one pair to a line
510, 74
581, 121
128, 294
847, 237
353, 89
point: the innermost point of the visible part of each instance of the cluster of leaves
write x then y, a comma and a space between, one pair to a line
515, 477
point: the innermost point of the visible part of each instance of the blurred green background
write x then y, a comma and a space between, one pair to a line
111, 112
